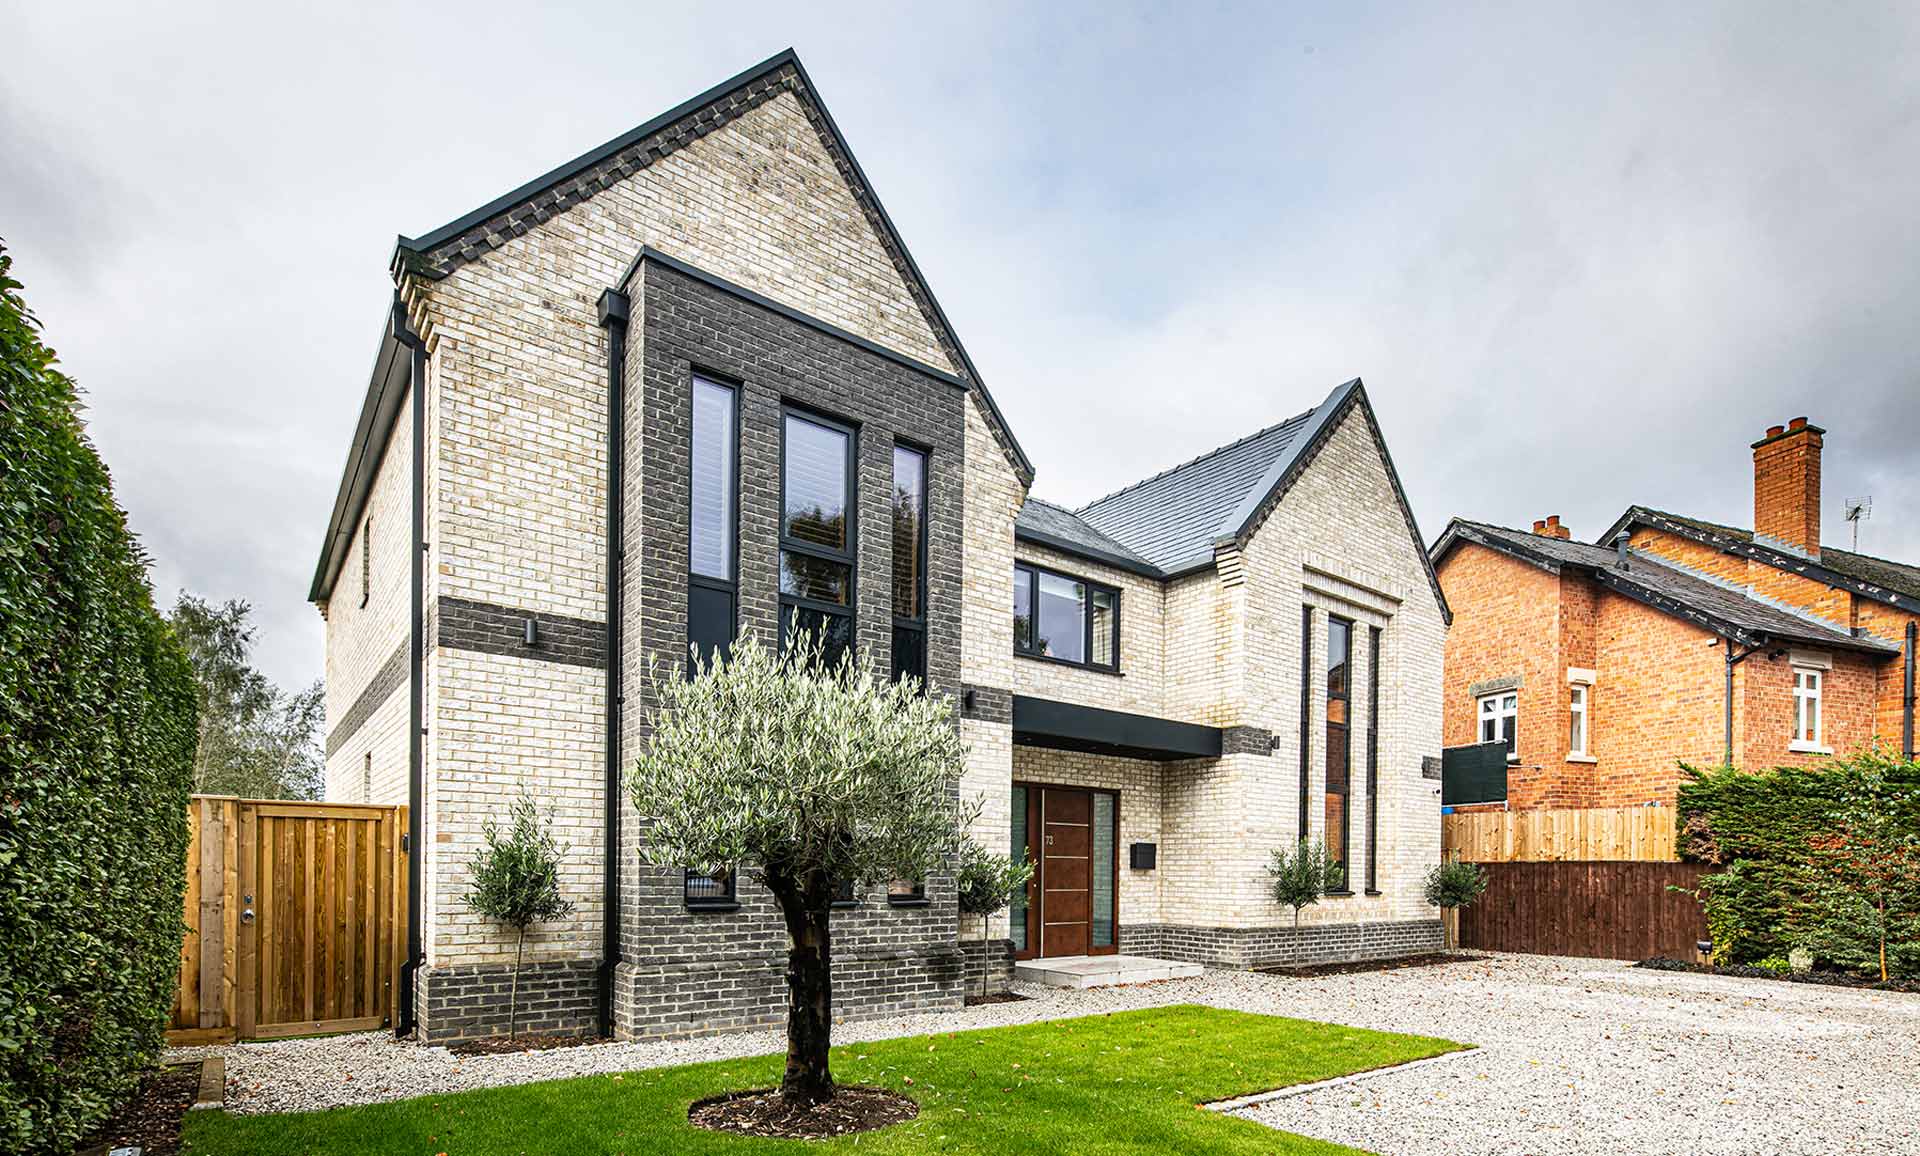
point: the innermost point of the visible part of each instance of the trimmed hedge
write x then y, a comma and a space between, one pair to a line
1780, 884
98, 720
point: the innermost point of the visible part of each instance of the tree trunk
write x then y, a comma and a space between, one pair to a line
806, 907
1883, 938
513, 989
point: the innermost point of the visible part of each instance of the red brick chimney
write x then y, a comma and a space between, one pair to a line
1550, 527
1786, 486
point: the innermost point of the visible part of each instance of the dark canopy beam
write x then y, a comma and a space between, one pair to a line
1065, 726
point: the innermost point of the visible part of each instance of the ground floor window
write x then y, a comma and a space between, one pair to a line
709, 889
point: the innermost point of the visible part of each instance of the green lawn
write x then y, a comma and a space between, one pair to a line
1104, 1084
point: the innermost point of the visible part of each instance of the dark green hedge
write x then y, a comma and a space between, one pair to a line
97, 730
1779, 886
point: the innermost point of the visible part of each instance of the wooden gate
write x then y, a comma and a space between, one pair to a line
296, 918
1602, 910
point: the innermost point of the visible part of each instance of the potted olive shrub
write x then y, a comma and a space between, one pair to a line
1451, 886
516, 881
986, 883
1303, 875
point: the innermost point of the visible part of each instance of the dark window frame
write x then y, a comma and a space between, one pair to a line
366, 561
1345, 738
728, 901
1306, 717
730, 585
1034, 570
789, 412
914, 623
914, 898
1373, 760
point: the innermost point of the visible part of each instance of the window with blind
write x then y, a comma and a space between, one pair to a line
817, 533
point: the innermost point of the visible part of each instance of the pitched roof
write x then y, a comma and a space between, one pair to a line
1880, 578
436, 253
1046, 524
1721, 608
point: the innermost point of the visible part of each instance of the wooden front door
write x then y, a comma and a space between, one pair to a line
1066, 872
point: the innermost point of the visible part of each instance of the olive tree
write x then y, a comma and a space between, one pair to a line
986, 882
516, 881
1301, 876
1453, 885
801, 775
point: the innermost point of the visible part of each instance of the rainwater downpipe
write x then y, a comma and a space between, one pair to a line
404, 1020
1906, 708
614, 311
1734, 658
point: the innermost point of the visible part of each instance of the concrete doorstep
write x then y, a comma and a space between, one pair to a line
1084, 971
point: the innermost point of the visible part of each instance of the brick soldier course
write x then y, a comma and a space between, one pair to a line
1647, 632
735, 237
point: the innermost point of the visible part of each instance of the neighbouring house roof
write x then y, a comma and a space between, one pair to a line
1881, 579
438, 252
1654, 582
1176, 519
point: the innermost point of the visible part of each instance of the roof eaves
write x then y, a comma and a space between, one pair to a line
386, 386
1733, 543
1090, 553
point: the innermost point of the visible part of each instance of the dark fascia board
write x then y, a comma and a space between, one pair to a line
434, 238
1624, 583
1071, 726
386, 387
649, 254
1760, 551
1280, 476
1090, 553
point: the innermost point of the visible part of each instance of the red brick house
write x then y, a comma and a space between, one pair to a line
1672, 639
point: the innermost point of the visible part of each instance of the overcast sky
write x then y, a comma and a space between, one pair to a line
1581, 256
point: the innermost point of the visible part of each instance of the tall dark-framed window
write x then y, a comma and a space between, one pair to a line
1373, 760
1065, 618
710, 889
1338, 796
366, 560
816, 532
713, 521
909, 563
1306, 714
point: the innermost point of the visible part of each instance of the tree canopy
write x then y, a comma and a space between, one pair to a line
256, 741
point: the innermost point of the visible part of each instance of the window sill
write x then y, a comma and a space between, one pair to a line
712, 908
1068, 662
1804, 748
1372, 894
908, 901
843, 904
1582, 759
1339, 895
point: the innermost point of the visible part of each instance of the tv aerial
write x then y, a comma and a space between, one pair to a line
1858, 510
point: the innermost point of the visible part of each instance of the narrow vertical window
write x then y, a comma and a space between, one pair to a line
1306, 715
1373, 760
909, 563
366, 560
1105, 821
816, 534
1577, 720
712, 588
1338, 794
1017, 851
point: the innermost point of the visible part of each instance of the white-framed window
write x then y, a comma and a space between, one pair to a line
1806, 708
1577, 719
1499, 715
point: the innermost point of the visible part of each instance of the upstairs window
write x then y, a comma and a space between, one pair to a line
909, 563
1577, 720
1498, 715
816, 533
1064, 618
712, 586
1806, 707
1339, 746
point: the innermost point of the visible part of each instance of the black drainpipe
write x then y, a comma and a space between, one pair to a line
1906, 709
416, 661
1733, 660
614, 309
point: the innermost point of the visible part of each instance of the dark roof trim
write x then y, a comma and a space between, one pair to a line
387, 386
434, 238
1778, 559
648, 253
1624, 583
1069, 726
1090, 553
1288, 467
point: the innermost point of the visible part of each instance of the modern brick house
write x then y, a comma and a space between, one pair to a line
691, 383
1674, 639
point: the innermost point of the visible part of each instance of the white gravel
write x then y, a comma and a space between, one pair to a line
1576, 1056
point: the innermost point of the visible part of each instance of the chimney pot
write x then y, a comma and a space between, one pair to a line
1550, 527
1797, 423
1774, 431
1539, 526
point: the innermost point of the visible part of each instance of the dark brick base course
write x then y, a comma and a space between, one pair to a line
997, 955
460, 1003
1282, 946
697, 998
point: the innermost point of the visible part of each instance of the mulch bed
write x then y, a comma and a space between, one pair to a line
150, 1120
1431, 959
762, 1112
1820, 978
496, 1045
996, 997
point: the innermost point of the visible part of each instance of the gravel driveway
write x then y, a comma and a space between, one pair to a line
1576, 1056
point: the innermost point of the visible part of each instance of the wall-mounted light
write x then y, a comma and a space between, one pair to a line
533, 630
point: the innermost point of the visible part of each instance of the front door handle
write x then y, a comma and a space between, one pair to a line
247, 915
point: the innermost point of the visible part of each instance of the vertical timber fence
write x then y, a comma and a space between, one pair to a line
296, 919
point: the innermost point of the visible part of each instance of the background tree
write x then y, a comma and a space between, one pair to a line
803, 776
986, 883
516, 881
1303, 875
1871, 863
1451, 886
256, 741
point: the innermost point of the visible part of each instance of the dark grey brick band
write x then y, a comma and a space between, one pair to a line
1284, 945
490, 629
391, 676
1246, 741
559, 997
989, 703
